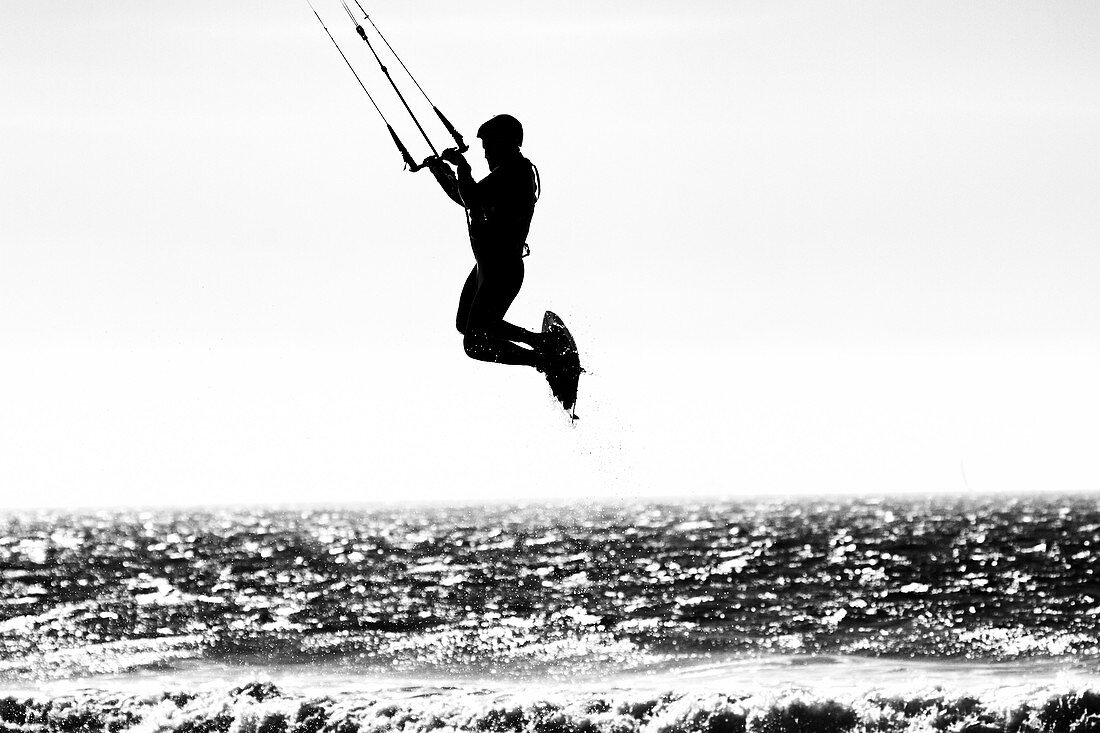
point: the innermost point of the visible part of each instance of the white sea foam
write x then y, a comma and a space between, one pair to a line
834, 695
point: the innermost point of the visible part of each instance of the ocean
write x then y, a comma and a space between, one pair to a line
890, 614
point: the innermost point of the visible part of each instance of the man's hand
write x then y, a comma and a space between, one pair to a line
435, 165
452, 156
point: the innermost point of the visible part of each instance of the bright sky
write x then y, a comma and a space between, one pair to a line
803, 247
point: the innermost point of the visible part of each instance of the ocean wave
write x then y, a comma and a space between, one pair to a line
262, 707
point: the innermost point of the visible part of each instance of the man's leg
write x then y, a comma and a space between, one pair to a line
488, 337
480, 345
511, 332
466, 301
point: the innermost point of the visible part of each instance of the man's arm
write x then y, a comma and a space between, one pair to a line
467, 187
446, 178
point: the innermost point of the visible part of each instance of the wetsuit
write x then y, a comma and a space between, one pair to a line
499, 208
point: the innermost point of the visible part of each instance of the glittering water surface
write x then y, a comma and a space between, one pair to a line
559, 592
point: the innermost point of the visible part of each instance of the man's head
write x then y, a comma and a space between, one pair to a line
500, 136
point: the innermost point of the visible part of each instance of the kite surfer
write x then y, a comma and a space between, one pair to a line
499, 208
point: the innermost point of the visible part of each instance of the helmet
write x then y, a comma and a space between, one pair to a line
504, 129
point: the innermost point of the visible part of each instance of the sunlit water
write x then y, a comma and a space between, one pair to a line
463, 606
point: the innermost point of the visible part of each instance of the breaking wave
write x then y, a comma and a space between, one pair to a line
262, 707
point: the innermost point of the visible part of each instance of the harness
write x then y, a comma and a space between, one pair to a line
538, 192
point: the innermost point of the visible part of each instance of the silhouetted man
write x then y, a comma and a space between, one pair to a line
499, 208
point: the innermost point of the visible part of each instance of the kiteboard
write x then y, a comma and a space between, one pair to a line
563, 371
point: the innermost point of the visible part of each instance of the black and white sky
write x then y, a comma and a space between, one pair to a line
804, 247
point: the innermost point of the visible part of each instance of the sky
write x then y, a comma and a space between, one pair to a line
804, 248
